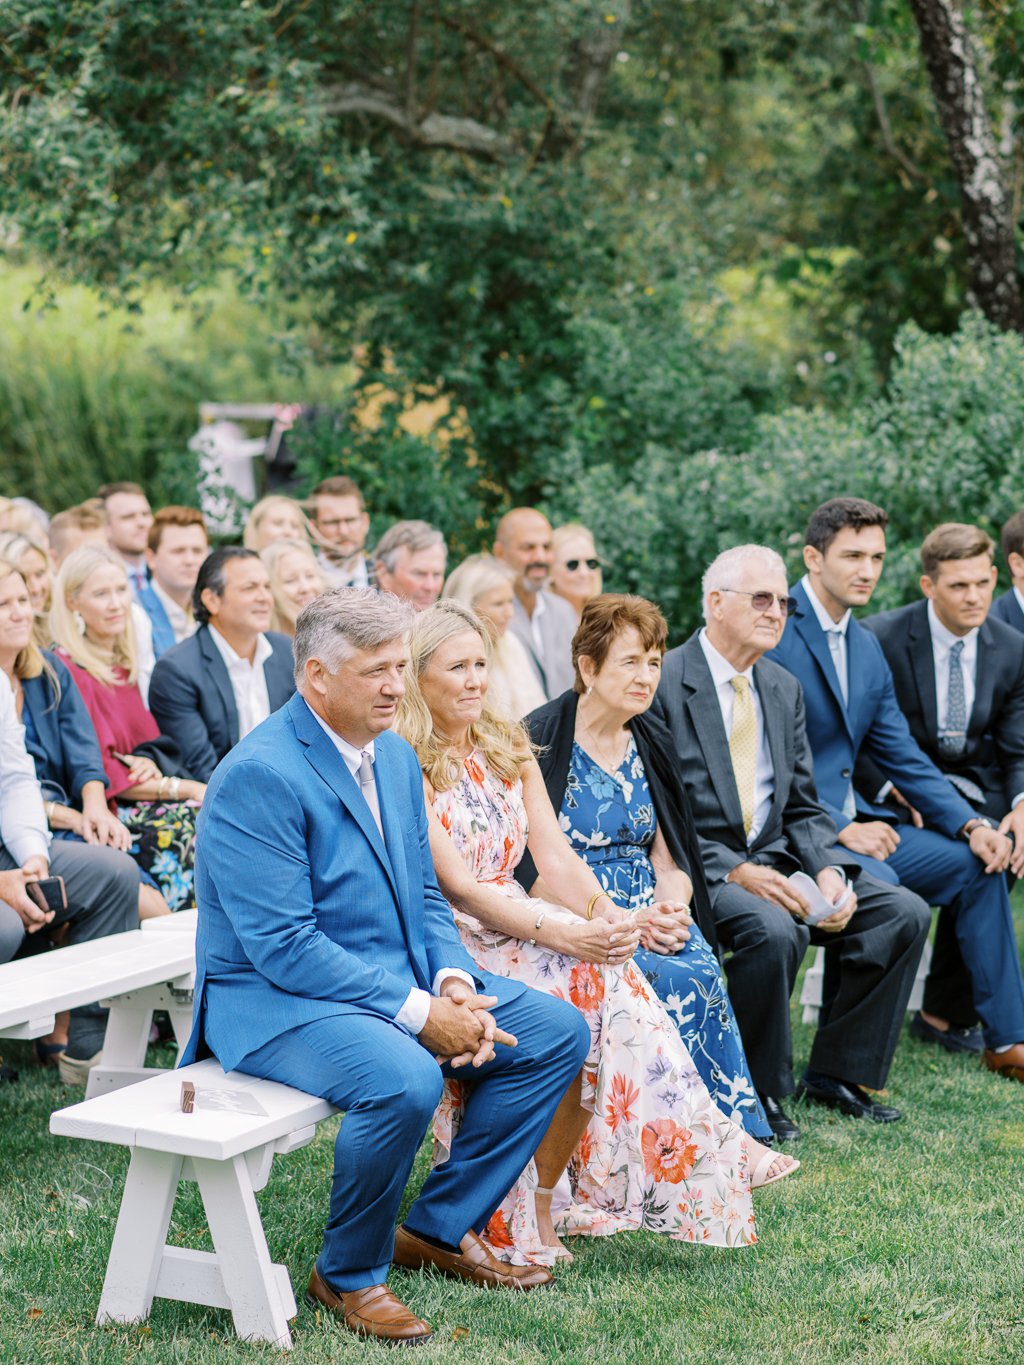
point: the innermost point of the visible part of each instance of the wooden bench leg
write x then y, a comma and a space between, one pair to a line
139, 1237
259, 1293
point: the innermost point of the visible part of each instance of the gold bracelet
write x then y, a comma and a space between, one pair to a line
49, 811
593, 901
161, 786
174, 788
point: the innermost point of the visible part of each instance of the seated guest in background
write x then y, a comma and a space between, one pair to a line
957, 860
208, 692
75, 526
622, 805
31, 560
959, 679
1009, 607
129, 517
543, 624
350, 981
575, 567
178, 544
737, 722
340, 526
295, 579
274, 518
23, 517
409, 561
95, 637
484, 585
101, 884
488, 798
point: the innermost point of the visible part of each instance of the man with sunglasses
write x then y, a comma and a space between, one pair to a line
957, 860
738, 725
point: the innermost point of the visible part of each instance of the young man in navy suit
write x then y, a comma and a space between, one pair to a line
327, 959
1010, 606
957, 860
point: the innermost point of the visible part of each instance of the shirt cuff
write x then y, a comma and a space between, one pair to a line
882, 793
446, 972
413, 1014
1017, 800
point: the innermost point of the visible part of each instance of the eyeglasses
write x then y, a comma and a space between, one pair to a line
573, 564
763, 601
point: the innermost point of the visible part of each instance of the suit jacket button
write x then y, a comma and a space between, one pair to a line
846, 772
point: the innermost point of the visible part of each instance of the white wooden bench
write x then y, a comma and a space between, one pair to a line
810, 995
229, 1155
133, 973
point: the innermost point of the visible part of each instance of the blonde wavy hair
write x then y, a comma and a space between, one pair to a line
251, 534
504, 744
285, 615
14, 546
74, 573
30, 662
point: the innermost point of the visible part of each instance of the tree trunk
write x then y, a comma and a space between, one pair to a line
994, 285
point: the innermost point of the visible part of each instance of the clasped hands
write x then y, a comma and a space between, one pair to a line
664, 926
773, 886
460, 1028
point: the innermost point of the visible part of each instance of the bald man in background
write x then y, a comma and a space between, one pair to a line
543, 623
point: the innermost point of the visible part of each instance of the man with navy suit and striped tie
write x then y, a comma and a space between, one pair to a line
328, 959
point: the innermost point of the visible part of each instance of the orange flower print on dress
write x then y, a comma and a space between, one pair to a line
624, 1096
497, 1232
667, 1150
586, 987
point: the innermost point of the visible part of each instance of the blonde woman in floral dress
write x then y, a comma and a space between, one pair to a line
648, 1147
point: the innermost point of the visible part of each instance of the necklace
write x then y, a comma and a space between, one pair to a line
610, 765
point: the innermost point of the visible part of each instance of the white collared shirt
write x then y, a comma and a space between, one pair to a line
539, 608
248, 680
837, 629
722, 673
414, 1012
338, 577
943, 641
182, 622
23, 829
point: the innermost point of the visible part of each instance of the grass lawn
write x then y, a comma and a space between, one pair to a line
897, 1243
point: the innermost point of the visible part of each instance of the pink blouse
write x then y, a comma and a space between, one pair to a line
120, 717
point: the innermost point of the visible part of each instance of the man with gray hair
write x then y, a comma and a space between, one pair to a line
738, 724
328, 959
409, 561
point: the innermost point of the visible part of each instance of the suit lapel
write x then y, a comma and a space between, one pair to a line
219, 675
771, 713
922, 663
985, 677
807, 627
701, 701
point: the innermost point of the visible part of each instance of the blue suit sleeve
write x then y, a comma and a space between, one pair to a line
255, 854
174, 702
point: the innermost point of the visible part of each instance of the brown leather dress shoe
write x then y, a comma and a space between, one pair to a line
1009, 1064
370, 1312
472, 1262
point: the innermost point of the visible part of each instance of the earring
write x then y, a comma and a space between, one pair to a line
589, 690
79, 622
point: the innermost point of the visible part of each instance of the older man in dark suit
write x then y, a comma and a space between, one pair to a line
738, 725
959, 680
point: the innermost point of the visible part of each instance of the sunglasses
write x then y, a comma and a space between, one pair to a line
573, 564
762, 601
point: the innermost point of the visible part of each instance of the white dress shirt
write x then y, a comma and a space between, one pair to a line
248, 680
722, 673
23, 828
414, 1012
835, 632
539, 608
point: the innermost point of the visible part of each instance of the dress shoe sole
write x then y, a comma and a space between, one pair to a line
368, 1336
467, 1277
852, 1111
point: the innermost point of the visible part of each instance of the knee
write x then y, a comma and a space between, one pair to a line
778, 938
915, 916
424, 1085
12, 932
565, 1029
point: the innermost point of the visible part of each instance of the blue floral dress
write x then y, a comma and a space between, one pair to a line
609, 820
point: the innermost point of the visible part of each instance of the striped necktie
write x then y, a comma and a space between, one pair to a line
743, 747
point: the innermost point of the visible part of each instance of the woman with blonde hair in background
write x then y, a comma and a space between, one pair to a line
275, 517
95, 637
295, 579
484, 584
575, 566
30, 558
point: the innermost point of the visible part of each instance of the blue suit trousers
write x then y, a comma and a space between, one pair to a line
388, 1086
945, 872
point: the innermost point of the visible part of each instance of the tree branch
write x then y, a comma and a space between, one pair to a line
434, 130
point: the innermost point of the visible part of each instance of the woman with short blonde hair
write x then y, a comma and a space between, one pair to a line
275, 517
29, 555
575, 565
295, 580
484, 584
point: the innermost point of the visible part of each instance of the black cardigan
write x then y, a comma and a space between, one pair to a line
552, 728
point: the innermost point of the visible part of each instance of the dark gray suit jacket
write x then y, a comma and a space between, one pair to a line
798, 834
557, 627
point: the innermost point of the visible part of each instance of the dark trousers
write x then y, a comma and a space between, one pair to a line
389, 1085
874, 960
976, 912
102, 888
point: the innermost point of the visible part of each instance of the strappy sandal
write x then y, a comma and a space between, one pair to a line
759, 1176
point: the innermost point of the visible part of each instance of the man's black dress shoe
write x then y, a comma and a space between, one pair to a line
782, 1126
970, 1040
846, 1097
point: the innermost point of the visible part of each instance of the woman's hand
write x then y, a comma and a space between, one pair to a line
599, 940
664, 926
98, 826
140, 770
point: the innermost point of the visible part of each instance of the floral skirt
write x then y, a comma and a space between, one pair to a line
657, 1153
163, 845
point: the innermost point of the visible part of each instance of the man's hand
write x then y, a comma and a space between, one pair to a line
12, 891
99, 826
834, 888
1013, 824
916, 818
994, 849
471, 1032
769, 885
873, 837
665, 926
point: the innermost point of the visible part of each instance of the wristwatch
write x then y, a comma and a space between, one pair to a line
979, 822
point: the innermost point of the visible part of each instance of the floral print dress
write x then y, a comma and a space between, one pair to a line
609, 820
657, 1153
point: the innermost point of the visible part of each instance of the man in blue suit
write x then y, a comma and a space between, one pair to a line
957, 860
1010, 606
328, 959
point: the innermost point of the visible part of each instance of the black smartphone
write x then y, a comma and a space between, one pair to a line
48, 893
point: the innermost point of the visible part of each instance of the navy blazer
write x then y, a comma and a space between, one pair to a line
192, 701
65, 749
872, 722
1007, 608
304, 910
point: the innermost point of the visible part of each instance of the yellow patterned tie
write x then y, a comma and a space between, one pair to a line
743, 747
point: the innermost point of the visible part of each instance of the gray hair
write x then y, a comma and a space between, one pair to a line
333, 626
723, 570
412, 535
